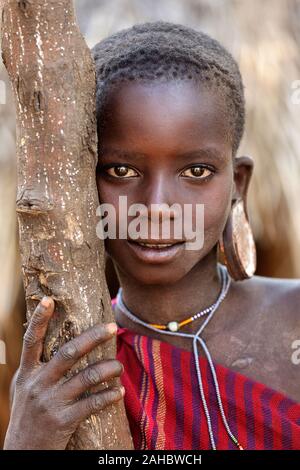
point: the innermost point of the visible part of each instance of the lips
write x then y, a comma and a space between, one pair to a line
154, 252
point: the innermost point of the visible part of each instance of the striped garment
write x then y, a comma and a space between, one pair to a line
165, 411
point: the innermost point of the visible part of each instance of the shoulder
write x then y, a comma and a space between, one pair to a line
267, 317
276, 296
273, 305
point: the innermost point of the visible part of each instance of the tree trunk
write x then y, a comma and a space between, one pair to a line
53, 79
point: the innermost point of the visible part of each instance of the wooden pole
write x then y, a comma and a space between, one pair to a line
53, 79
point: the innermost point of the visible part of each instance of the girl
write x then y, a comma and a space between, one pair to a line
170, 108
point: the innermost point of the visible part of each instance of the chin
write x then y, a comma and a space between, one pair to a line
162, 274
157, 275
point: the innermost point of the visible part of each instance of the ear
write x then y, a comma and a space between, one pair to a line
237, 244
243, 168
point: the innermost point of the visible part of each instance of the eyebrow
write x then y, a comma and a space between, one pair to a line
210, 153
207, 152
120, 153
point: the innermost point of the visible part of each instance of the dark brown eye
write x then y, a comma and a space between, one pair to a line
199, 172
121, 171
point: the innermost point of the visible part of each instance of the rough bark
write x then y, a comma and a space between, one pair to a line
53, 79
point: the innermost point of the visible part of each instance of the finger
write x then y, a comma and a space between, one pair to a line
82, 409
78, 347
36, 331
89, 377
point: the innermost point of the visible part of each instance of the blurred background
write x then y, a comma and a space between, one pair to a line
264, 38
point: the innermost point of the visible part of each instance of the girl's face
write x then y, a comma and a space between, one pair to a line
165, 143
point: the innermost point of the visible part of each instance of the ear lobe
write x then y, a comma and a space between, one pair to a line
237, 243
243, 169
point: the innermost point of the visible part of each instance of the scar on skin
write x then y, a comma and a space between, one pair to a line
243, 362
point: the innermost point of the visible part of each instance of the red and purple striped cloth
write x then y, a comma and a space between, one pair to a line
165, 411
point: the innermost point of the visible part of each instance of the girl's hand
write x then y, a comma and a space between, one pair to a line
46, 409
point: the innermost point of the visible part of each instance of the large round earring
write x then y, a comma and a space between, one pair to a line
237, 243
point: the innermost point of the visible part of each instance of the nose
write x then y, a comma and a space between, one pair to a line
160, 199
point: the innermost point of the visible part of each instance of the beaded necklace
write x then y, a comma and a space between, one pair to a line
173, 330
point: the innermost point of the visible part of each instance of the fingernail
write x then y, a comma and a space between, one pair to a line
122, 390
111, 327
45, 302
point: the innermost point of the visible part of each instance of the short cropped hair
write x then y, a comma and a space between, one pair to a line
167, 51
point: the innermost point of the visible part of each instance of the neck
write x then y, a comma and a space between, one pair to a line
164, 303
